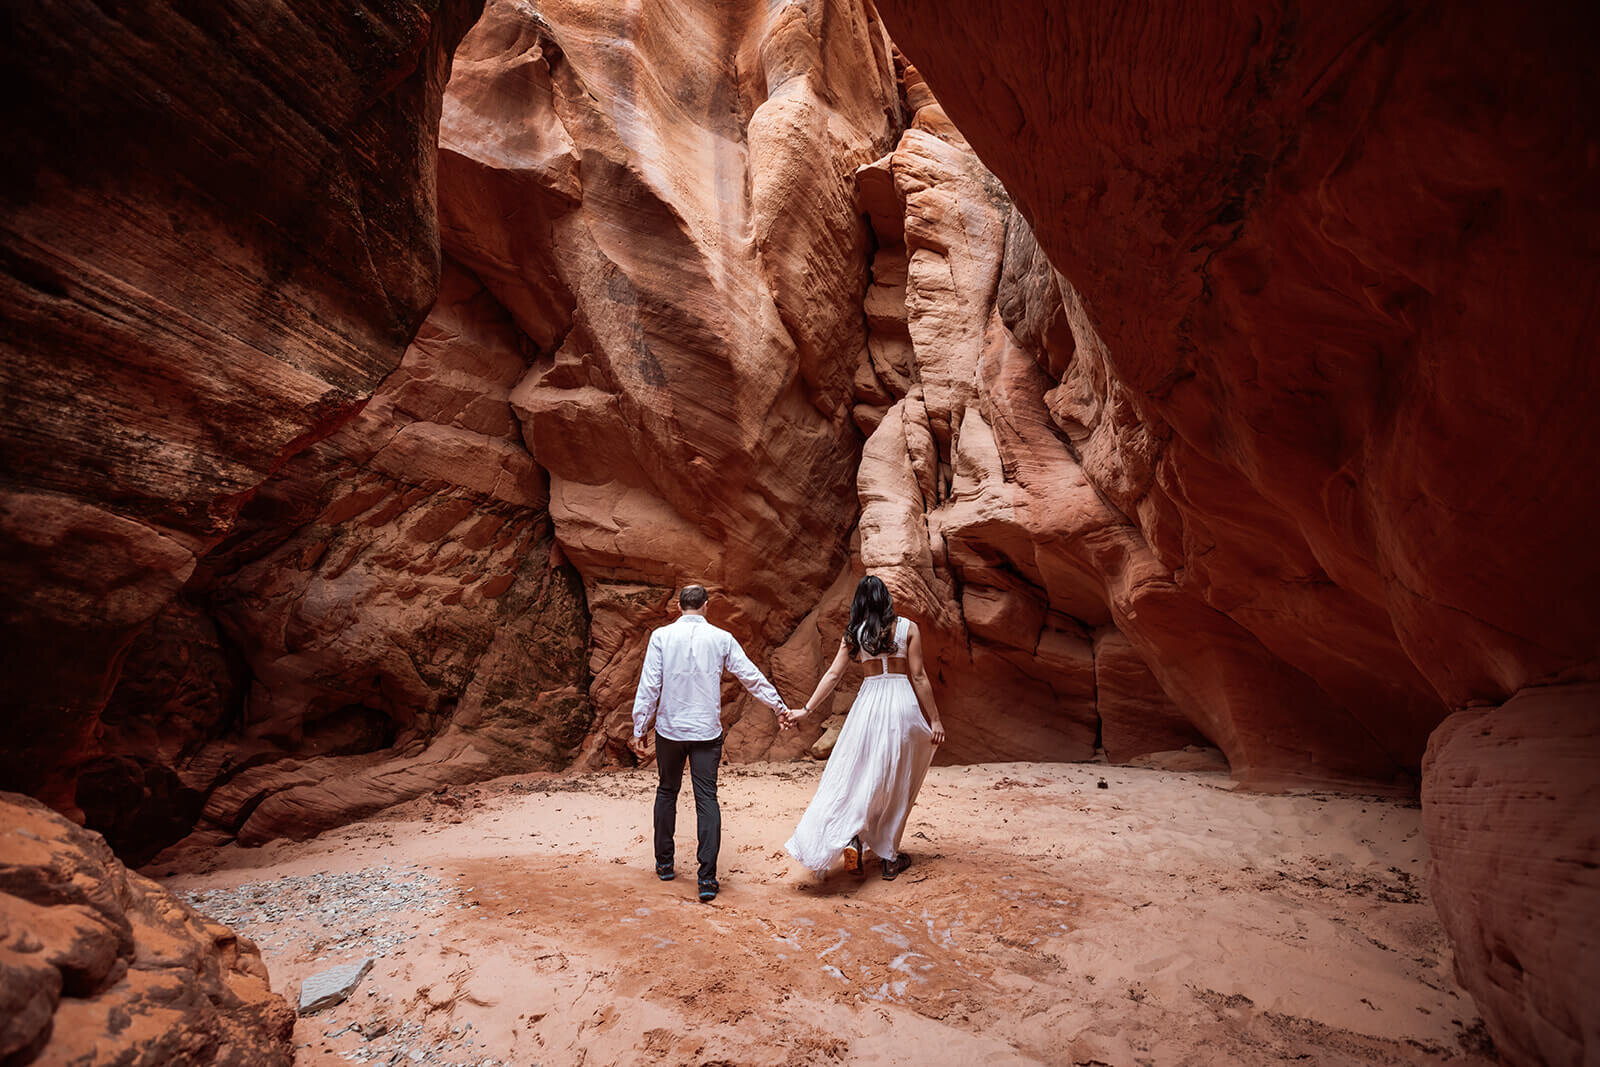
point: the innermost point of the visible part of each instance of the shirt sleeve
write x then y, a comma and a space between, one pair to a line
649, 692
738, 664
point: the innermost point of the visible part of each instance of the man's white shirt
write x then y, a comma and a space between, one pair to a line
681, 684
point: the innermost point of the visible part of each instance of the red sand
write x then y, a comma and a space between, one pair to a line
1165, 919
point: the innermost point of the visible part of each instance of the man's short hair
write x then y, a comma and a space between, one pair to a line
692, 597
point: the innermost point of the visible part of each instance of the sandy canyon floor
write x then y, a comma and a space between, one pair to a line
1163, 919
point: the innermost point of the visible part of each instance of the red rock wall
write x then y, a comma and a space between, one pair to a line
1329, 278
219, 237
937, 518
401, 614
1300, 274
977, 508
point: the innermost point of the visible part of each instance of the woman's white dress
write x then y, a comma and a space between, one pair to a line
873, 773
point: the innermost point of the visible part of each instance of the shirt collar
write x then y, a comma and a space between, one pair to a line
691, 618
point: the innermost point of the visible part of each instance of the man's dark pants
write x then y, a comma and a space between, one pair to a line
702, 757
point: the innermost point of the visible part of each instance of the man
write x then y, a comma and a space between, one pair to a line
680, 690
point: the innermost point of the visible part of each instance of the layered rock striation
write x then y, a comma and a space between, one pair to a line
1509, 798
402, 617
219, 236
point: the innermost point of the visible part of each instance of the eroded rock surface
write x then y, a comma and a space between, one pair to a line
219, 237
401, 615
99, 964
938, 519
663, 197
977, 507
1509, 800
1295, 276
1295, 249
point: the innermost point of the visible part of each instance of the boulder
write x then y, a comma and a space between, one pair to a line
1509, 796
332, 986
99, 964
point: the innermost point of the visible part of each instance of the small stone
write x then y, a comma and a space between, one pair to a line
327, 988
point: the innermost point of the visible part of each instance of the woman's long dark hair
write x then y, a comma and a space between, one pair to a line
871, 626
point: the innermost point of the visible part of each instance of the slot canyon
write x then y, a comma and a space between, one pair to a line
1212, 382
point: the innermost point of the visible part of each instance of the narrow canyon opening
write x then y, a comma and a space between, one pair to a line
1210, 384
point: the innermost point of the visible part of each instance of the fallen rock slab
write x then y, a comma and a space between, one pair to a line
327, 988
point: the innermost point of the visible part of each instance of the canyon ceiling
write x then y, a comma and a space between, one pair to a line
1210, 374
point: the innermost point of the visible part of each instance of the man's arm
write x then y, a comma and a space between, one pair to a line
738, 664
649, 692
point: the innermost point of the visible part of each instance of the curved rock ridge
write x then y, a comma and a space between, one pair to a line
99, 964
219, 236
663, 198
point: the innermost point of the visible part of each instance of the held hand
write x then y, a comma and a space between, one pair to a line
938, 733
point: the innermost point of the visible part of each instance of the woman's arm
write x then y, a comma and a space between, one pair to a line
920, 683
830, 678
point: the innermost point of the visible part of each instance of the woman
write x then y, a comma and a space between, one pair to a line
877, 764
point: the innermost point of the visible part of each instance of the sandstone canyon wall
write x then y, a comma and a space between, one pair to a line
1215, 374
219, 236
662, 197
1330, 278
740, 246
732, 299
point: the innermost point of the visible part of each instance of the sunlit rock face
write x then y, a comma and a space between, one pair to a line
662, 195
939, 521
1329, 280
102, 965
219, 237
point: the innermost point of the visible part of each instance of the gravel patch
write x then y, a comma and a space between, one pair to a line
336, 914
